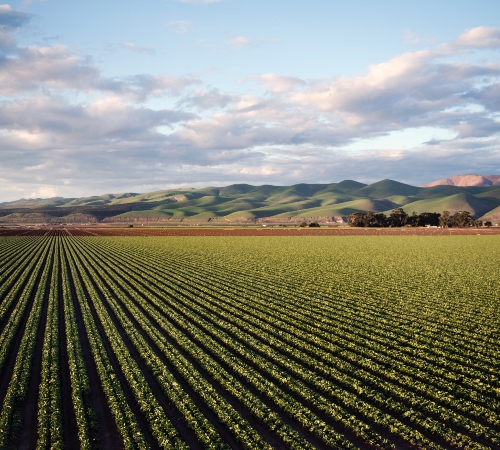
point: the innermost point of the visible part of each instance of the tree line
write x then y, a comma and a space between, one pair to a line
399, 218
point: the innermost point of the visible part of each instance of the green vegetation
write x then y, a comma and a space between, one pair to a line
399, 218
243, 202
311, 342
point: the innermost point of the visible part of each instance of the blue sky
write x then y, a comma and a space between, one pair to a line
136, 96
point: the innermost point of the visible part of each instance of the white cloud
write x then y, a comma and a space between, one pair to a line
138, 48
479, 37
179, 26
365, 127
280, 83
44, 192
54, 66
240, 42
57, 67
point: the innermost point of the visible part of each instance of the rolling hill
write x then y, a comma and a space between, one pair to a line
467, 180
246, 203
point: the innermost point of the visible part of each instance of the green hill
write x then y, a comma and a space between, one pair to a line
387, 188
334, 201
452, 203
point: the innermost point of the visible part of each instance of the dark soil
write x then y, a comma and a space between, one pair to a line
70, 427
247, 231
108, 434
131, 400
29, 429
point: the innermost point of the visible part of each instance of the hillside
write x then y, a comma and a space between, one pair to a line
467, 180
246, 203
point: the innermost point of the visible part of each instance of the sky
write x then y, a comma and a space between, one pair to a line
137, 96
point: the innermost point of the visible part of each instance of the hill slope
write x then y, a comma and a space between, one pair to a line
244, 202
467, 180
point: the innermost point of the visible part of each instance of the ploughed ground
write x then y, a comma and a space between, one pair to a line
243, 231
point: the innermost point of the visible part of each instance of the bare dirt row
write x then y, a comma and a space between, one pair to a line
244, 231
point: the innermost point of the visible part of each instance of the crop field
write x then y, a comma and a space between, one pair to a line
300, 342
245, 231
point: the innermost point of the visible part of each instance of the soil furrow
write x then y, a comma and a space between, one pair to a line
108, 433
70, 428
131, 400
6, 373
28, 439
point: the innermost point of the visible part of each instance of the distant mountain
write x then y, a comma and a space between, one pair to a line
467, 180
246, 203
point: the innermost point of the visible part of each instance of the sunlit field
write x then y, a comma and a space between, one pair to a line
250, 342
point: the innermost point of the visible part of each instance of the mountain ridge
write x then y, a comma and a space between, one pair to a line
331, 202
466, 180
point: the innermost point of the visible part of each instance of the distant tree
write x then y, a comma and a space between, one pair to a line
414, 219
314, 224
367, 219
431, 219
356, 219
303, 224
380, 220
462, 219
488, 223
445, 220
131, 226
397, 218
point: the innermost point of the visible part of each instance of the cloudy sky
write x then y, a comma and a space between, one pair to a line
134, 96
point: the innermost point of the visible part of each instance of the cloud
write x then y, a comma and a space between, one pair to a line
10, 21
44, 192
144, 85
57, 67
54, 66
488, 96
408, 90
12, 18
410, 38
207, 99
479, 37
288, 130
50, 123
138, 49
30, 2
179, 26
239, 42
280, 83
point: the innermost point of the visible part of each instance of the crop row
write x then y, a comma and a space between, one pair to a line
11, 415
435, 427
251, 343
448, 416
228, 382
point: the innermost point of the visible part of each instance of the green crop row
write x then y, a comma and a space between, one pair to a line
259, 343
404, 394
11, 415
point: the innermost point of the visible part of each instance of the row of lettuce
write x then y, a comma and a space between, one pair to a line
185, 346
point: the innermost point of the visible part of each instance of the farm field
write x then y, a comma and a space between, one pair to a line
245, 231
370, 342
